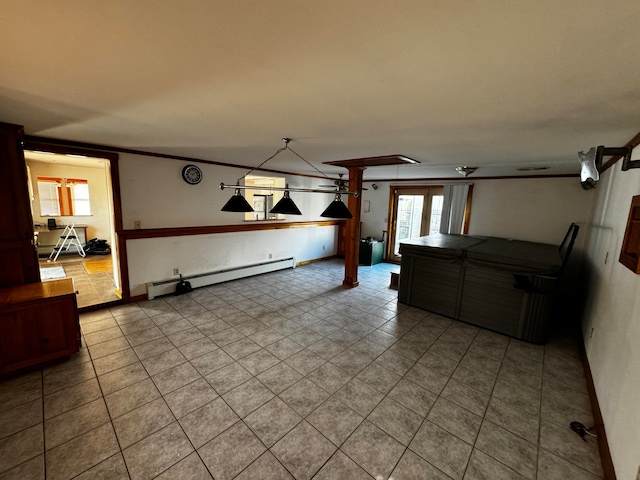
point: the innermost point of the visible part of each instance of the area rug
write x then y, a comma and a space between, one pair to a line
99, 266
51, 273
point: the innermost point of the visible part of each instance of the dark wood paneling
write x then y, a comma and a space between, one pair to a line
18, 255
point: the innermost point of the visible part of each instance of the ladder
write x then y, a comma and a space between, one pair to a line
68, 239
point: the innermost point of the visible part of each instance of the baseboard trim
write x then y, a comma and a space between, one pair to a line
321, 259
603, 444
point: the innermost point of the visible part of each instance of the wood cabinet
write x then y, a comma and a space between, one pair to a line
38, 323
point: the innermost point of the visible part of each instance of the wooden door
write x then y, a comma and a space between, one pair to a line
18, 255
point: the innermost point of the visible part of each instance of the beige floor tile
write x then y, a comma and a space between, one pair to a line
20, 417
186, 399
442, 449
411, 466
31, 469
483, 467
231, 452
303, 451
60, 429
189, 468
335, 420
397, 420
81, 453
176, 377
448, 371
341, 466
304, 396
113, 468
508, 448
247, 397
121, 378
267, 467
157, 452
373, 449
21, 446
455, 419
359, 396
208, 421
131, 397
142, 422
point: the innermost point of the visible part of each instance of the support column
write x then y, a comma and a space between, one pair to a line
352, 237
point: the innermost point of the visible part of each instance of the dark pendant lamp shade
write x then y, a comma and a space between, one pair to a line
237, 203
337, 209
286, 206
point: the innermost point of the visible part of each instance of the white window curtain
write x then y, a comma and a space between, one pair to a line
454, 204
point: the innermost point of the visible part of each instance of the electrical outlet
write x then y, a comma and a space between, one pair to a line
137, 224
606, 257
270, 256
176, 271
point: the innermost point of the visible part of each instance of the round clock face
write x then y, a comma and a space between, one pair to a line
192, 174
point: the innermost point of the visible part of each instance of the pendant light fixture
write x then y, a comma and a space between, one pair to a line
286, 206
337, 209
237, 203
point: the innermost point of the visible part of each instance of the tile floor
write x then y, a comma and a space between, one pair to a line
288, 375
92, 288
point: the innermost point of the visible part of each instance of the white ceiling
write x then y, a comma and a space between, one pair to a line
494, 84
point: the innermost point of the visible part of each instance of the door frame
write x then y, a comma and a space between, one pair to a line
64, 148
392, 213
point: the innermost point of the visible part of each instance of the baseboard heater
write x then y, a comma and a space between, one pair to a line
166, 287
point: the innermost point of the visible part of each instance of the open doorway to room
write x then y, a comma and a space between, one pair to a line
415, 212
74, 223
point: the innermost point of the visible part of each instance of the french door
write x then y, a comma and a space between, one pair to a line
415, 212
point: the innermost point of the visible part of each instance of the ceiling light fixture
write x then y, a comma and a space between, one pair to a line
286, 206
465, 171
531, 169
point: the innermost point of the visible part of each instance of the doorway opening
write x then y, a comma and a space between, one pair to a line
72, 192
416, 212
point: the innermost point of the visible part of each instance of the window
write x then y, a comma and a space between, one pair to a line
261, 199
49, 200
80, 199
63, 197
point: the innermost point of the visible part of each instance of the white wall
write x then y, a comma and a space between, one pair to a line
153, 192
153, 259
613, 314
532, 209
98, 224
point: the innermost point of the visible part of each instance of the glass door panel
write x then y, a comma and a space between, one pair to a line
416, 213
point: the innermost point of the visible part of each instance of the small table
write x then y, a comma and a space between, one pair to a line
45, 234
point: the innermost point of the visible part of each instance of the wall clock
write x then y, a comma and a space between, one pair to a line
192, 174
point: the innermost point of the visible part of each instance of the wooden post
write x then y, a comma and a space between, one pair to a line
352, 241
